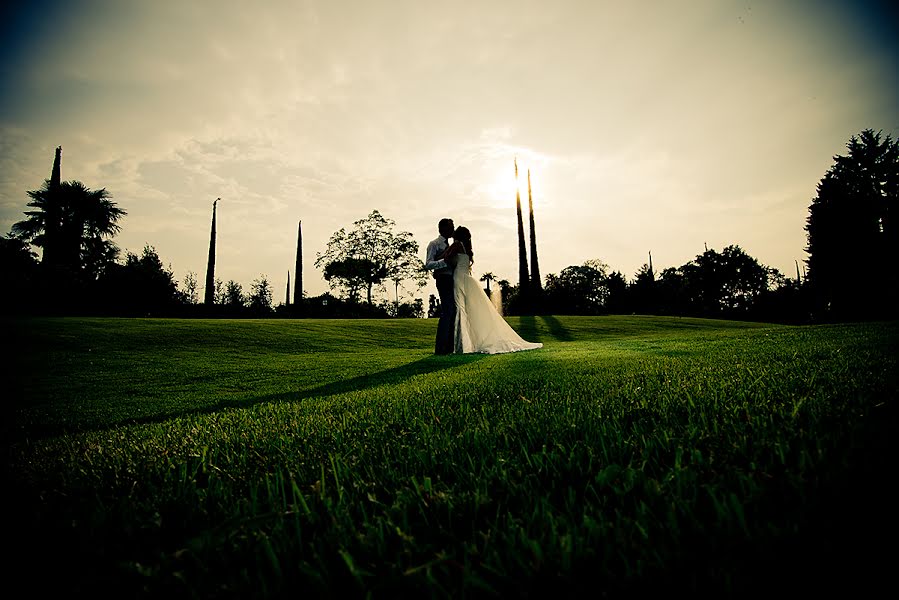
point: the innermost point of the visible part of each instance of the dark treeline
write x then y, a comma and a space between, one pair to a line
727, 284
849, 273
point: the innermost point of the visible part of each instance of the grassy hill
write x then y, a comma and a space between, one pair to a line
253, 458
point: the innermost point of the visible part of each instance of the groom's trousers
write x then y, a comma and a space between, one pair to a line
446, 325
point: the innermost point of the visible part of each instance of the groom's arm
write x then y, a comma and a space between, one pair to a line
431, 261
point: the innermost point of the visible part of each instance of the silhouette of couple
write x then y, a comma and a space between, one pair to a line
468, 321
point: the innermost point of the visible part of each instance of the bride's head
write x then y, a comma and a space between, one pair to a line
463, 235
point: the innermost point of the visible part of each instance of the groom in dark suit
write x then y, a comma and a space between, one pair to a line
443, 277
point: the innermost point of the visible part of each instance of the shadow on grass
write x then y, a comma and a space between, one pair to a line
429, 364
529, 331
559, 331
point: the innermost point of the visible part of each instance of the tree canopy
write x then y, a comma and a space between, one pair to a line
368, 255
73, 225
853, 240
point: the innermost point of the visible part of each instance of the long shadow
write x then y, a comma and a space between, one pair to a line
559, 331
528, 328
430, 364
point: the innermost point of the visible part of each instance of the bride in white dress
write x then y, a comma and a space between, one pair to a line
479, 327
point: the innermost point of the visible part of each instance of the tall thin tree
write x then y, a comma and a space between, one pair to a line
50, 256
210, 264
287, 301
298, 283
522, 246
536, 286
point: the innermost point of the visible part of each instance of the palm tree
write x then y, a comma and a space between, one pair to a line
75, 222
488, 277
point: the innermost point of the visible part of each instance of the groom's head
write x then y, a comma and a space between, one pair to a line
446, 227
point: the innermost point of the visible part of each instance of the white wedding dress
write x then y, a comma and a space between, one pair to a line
479, 327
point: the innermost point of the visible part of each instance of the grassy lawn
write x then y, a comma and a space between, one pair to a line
215, 458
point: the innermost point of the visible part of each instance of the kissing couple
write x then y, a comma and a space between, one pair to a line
468, 321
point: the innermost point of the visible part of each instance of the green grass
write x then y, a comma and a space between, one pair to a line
630, 454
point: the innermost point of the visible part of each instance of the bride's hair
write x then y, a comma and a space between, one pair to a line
463, 235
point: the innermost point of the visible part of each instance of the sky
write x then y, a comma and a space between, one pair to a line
647, 126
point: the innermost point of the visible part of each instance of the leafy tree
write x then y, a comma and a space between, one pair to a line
191, 288
674, 295
233, 296
852, 230
617, 285
580, 289
730, 281
260, 299
76, 224
218, 291
354, 275
488, 277
368, 255
19, 265
404, 265
142, 285
642, 290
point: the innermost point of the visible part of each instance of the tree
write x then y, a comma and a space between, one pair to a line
729, 282
210, 262
852, 230
75, 224
488, 277
581, 289
642, 291
233, 296
141, 286
354, 275
617, 286
536, 285
403, 265
19, 265
191, 288
522, 247
218, 295
260, 300
368, 255
298, 284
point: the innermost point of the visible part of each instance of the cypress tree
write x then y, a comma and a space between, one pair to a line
298, 283
210, 264
52, 228
522, 247
536, 286
287, 301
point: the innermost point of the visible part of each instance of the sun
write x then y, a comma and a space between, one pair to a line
502, 188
